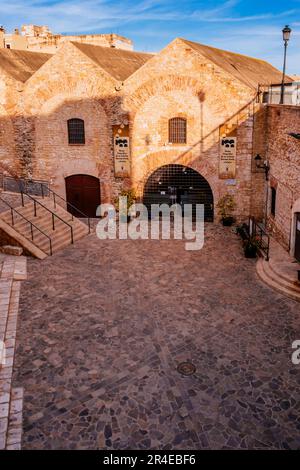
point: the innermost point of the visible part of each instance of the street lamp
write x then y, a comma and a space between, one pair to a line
286, 32
264, 166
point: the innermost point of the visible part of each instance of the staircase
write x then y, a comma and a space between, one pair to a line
281, 275
41, 226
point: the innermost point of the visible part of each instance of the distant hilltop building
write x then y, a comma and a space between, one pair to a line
41, 39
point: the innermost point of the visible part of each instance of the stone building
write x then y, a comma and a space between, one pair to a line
41, 39
282, 192
183, 125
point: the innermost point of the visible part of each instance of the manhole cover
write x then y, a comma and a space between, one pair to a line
186, 368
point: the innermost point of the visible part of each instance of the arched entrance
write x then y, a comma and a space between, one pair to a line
83, 192
180, 184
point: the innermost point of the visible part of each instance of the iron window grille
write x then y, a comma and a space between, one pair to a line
177, 130
76, 131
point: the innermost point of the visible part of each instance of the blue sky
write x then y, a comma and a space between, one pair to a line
249, 27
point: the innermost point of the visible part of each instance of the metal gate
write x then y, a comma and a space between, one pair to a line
173, 183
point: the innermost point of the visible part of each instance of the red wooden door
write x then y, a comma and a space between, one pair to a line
83, 195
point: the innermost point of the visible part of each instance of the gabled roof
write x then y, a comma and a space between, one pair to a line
20, 65
120, 64
248, 70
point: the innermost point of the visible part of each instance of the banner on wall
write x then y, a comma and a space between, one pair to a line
227, 165
121, 150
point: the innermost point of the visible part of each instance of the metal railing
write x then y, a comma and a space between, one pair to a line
270, 94
32, 226
39, 189
16, 185
261, 236
35, 202
68, 204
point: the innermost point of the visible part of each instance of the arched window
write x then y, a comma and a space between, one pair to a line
76, 131
177, 130
273, 201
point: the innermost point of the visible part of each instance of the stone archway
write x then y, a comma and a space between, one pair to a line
170, 184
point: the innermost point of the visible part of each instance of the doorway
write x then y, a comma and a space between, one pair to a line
83, 195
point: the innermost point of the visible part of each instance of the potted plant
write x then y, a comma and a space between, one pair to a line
251, 247
131, 197
226, 206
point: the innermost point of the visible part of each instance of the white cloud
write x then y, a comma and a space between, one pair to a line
84, 16
256, 35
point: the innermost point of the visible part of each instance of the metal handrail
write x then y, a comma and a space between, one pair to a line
55, 195
35, 201
12, 210
259, 233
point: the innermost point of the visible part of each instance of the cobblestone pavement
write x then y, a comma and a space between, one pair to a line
103, 326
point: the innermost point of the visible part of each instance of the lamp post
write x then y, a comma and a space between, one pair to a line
286, 37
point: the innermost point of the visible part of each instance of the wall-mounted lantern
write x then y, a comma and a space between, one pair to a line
264, 166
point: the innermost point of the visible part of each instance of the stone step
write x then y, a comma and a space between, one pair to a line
26, 243
46, 227
287, 271
40, 227
279, 278
279, 284
60, 237
43, 217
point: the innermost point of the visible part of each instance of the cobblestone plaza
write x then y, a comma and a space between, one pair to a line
103, 326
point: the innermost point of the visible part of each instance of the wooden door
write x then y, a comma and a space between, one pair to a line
83, 195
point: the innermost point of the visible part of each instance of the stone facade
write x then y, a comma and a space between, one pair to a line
41, 39
181, 81
283, 153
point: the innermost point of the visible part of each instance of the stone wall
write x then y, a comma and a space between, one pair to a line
283, 152
79, 90
210, 100
8, 99
177, 82
258, 183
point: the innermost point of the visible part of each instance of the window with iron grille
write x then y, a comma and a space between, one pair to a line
76, 131
177, 130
